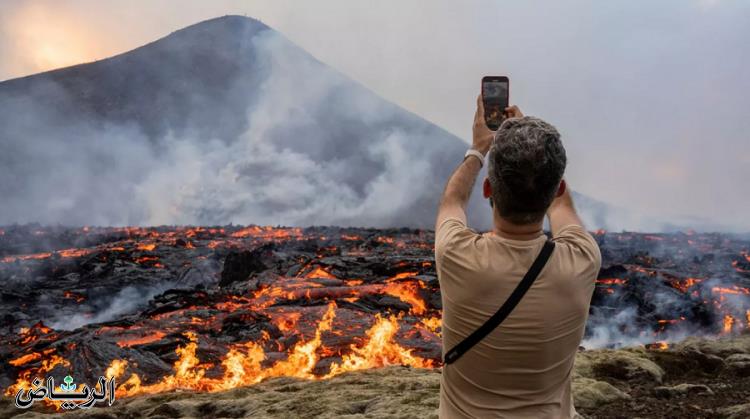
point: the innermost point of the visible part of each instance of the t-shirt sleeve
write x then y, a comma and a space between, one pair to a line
581, 243
449, 234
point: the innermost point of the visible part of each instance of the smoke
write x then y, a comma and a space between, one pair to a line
623, 323
126, 301
295, 143
681, 292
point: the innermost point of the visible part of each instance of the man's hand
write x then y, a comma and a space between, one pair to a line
513, 112
482, 135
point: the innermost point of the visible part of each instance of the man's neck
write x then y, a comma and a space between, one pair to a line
505, 229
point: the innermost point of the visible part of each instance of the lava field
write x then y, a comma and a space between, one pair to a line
213, 308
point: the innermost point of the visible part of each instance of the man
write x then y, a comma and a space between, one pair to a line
522, 369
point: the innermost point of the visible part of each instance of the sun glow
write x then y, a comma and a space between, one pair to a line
47, 39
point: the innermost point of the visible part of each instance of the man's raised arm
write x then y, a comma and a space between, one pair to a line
458, 189
562, 212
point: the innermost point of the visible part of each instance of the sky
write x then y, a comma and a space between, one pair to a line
651, 97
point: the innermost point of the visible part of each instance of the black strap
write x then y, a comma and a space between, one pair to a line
507, 307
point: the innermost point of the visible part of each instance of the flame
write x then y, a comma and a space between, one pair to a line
735, 290
74, 296
116, 368
141, 340
242, 364
267, 232
402, 275
10, 259
379, 350
409, 293
251, 362
611, 281
658, 346
319, 273
728, 322
145, 259
25, 377
685, 284
432, 323
302, 358
25, 359
286, 322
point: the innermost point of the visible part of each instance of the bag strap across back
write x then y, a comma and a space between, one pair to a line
507, 307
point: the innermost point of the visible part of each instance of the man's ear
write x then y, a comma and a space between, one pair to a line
561, 188
486, 188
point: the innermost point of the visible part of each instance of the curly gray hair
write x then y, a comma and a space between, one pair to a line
525, 165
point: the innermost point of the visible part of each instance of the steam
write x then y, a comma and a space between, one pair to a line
316, 148
128, 300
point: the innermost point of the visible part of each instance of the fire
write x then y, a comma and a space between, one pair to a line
685, 284
141, 340
267, 232
10, 259
379, 351
432, 323
116, 368
735, 290
25, 378
74, 296
145, 259
658, 346
402, 275
728, 322
242, 364
286, 322
25, 359
308, 339
408, 292
73, 253
611, 281
319, 273
302, 358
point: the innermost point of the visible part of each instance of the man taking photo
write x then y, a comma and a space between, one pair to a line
510, 329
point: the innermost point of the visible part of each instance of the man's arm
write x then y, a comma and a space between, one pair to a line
562, 212
458, 189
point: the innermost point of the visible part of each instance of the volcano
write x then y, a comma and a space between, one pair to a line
223, 121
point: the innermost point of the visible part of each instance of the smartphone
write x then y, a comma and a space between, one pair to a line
495, 92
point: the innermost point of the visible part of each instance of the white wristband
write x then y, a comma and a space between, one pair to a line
475, 153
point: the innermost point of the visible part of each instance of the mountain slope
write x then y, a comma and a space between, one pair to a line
223, 121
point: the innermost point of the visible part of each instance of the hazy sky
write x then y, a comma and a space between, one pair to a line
651, 97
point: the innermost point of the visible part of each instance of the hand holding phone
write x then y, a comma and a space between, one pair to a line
495, 98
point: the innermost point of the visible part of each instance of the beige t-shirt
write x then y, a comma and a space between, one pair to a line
523, 368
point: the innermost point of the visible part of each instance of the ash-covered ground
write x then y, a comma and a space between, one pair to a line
211, 309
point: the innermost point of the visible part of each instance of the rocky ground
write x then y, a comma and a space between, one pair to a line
697, 378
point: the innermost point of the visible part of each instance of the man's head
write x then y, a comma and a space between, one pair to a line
525, 166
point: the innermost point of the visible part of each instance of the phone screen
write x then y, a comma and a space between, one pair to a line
495, 98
